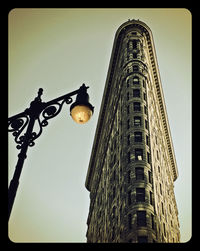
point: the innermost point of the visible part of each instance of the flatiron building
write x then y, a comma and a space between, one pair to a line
132, 166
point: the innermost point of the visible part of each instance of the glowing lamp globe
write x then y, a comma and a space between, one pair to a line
81, 110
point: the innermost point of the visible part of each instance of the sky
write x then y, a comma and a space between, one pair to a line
59, 50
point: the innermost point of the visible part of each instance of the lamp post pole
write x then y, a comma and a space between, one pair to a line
38, 110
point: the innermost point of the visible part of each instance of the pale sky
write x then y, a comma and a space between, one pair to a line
59, 50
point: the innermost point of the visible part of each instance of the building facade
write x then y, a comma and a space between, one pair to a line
132, 167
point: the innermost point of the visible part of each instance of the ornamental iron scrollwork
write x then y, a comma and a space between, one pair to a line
53, 110
17, 126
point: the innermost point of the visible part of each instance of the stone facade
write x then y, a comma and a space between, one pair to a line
132, 166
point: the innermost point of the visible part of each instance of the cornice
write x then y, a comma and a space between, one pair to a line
123, 29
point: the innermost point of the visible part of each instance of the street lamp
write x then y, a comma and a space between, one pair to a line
81, 111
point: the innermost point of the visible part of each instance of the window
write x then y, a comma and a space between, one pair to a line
138, 154
113, 193
152, 221
135, 68
157, 155
151, 198
138, 136
113, 233
141, 218
136, 93
140, 194
150, 177
142, 239
164, 228
114, 210
145, 97
136, 106
129, 177
129, 157
146, 124
134, 44
148, 157
137, 121
129, 198
130, 221
145, 109
162, 208
128, 140
127, 96
128, 124
147, 140
128, 109
139, 173
135, 80
134, 55
160, 189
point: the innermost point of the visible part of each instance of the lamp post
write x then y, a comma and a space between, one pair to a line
81, 111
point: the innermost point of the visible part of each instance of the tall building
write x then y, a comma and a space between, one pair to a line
132, 167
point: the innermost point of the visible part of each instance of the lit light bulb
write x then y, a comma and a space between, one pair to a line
81, 113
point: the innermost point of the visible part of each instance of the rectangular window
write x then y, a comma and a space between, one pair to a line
147, 140
127, 96
151, 198
137, 121
136, 106
140, 194
160, 189
162, 208
145, 109
129, 157
145, 97
139, 173
128, 109
146, 124
128, 140
129, 177
150, 177
164, 228
128, 124
148, 157
138, 136
157, 155
134, 44
134, 55
152, 221
136, 93
138, 154
141, 218
113, 193
130, 221
129, 198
